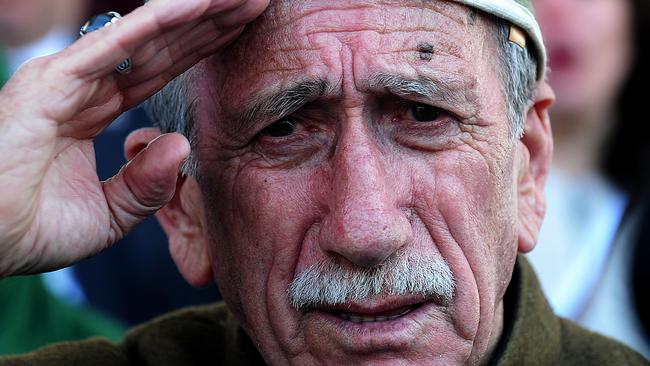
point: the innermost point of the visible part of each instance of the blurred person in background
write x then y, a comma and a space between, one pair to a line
37, 310
592, 256
32, 28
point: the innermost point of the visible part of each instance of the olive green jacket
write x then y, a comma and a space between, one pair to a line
533, 335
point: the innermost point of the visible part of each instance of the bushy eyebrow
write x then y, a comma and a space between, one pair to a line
275, 104
423, 87
279, 103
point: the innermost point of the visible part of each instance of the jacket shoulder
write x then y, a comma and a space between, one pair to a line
192, 336
98, 351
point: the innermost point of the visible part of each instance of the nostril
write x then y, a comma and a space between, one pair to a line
409, 213
368, 260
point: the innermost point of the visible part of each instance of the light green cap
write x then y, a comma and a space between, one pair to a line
521, 14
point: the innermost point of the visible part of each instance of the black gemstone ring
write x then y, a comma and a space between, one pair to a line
101, 21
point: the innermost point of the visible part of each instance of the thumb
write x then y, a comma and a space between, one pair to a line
145, 184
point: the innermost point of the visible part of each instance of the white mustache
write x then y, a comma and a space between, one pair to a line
332, 283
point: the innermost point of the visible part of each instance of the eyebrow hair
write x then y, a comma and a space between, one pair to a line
422, 87
280, 103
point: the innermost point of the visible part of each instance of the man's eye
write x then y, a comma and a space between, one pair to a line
280, 128
425, 113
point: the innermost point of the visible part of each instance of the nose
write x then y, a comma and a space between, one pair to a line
365, 223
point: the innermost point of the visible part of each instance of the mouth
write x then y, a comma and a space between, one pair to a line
383, 316
375, 311
386, 326
376, 326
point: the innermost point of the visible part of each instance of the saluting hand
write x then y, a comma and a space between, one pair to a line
53, 209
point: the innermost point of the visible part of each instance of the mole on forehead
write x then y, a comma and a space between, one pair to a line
425, 51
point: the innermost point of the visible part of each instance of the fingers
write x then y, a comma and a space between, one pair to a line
200, 38
245, 13
173, 66
167, 52
161, 46
96, 54
145, 184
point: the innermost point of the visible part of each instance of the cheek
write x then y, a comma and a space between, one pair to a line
260, 226
470, 213
273, 208
476, 202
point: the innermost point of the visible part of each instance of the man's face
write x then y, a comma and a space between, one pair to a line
349, 134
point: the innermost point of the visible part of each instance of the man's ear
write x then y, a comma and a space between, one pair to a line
182, 219
534, 158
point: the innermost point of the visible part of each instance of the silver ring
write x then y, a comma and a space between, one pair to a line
104, 20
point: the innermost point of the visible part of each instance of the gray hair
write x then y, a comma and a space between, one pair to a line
519, 73
173, 108
334, 282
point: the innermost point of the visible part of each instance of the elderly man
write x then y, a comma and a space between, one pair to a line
363, 174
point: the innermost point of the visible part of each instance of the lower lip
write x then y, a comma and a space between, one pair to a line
376, 330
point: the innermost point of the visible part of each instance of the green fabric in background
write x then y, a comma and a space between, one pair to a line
4, 69
30, 317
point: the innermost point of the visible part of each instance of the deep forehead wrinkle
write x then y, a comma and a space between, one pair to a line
280, 102
283, 13
291, 20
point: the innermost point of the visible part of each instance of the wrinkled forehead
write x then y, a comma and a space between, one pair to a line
288, 12
355, 40
300, 24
